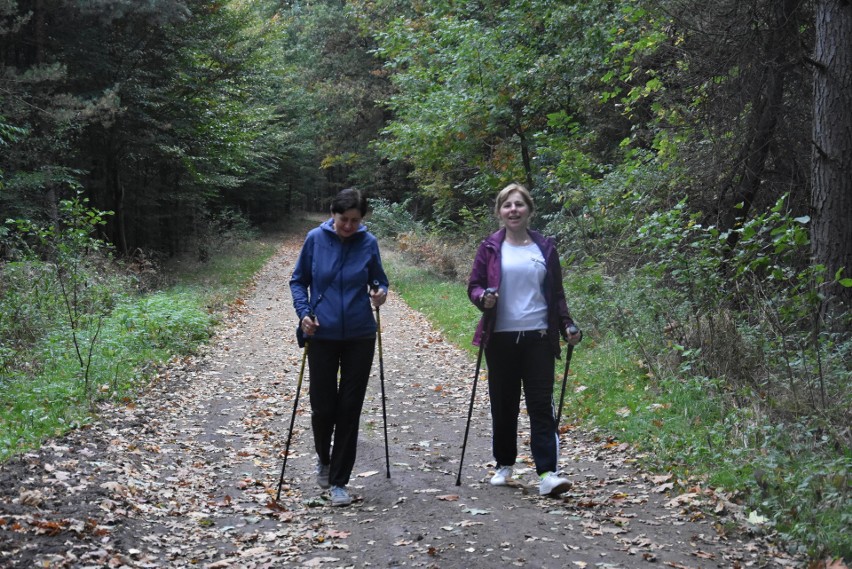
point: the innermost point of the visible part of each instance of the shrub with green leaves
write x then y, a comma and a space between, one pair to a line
389, 219
74, 330
174, 322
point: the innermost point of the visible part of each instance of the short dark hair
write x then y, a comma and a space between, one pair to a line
347, 199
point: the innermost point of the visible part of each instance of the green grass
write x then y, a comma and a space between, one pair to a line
221, 278
445, 303
53, 392
684, 425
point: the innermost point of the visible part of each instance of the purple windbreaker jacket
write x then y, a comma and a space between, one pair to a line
486, 274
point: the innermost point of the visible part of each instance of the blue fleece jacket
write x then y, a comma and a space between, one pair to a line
331, 279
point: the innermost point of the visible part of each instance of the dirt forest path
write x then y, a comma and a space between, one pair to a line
186, 476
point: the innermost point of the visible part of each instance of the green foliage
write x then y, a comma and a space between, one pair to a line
31, 304
390, 220
174, 322
170, 112
596, 218
423, 244
9, 133
218, 232
84, 294
225, 272
333, 85
756, 302
801, 482
474, 95
42, 393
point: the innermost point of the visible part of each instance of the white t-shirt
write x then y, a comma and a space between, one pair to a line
521, 305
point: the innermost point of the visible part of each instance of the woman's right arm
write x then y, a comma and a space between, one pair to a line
302, 279
478, 281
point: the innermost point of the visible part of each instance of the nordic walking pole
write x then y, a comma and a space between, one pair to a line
472, 398
569, 351
375, 286
293, 416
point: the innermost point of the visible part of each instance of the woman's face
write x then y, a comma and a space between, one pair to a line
514, 212
347, 223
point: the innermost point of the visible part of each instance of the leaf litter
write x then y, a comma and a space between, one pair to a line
187, 475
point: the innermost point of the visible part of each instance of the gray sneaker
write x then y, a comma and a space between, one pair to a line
322, 475
553, 485
339, 496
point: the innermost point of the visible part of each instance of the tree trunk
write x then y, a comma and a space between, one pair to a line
40, 28
831, 160
118, 205
517, 115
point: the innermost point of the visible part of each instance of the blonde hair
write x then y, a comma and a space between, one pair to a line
504, 195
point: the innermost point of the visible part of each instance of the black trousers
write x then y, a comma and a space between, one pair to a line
517, 359
336, 406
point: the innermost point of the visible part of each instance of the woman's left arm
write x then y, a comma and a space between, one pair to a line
557, 291
378, 279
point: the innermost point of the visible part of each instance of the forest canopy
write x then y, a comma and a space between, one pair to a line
172, 114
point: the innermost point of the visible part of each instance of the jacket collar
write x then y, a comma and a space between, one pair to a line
328, 226
496, 239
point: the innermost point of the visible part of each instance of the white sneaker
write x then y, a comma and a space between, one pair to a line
502, 477
553, 485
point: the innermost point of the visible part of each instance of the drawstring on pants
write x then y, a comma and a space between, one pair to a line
522, 333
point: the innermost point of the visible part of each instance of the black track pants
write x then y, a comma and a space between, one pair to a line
336, 406
515, 360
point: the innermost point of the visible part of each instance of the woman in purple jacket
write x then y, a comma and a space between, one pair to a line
336, 282
523, 319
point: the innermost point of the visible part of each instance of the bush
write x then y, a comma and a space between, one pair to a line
446, 257
53, 374
388, 220
174, 322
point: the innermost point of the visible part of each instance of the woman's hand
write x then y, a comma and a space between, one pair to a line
378, 297
309, 325
489, 298
573, 335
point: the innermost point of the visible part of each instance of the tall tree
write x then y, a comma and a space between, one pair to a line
832, 146
765, 109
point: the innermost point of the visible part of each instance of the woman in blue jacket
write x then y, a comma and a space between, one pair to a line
520, 333
337, 281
